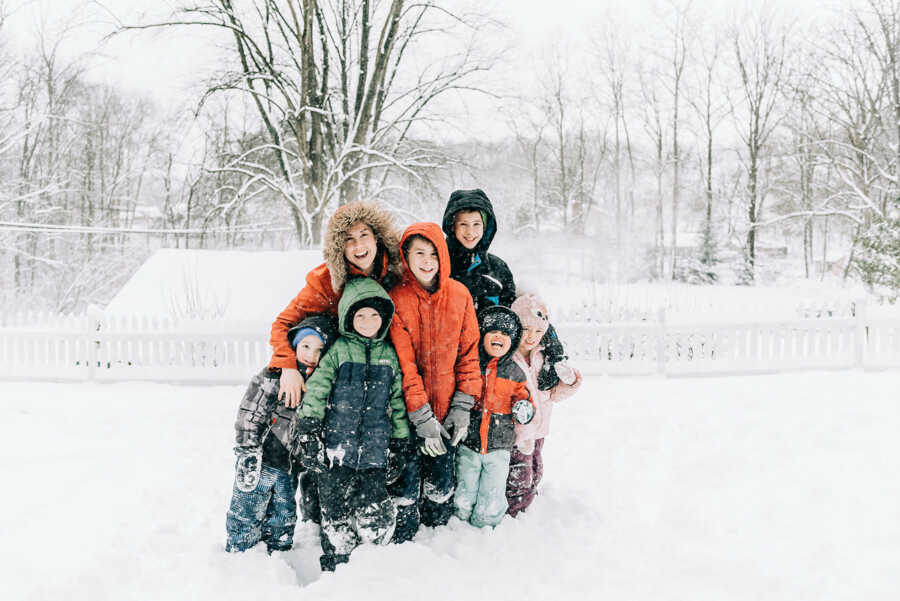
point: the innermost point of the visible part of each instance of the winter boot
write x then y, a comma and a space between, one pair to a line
330, 562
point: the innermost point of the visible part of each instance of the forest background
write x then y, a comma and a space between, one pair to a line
696, 142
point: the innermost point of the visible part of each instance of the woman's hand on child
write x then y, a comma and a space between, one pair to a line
291, 388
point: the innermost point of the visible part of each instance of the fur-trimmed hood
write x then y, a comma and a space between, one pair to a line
388, 261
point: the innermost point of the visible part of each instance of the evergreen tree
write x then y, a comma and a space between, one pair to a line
878, 259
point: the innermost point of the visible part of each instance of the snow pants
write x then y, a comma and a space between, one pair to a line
268, 513
355, 509
309, 497
405, 494
481, 486
525, 472
424, 491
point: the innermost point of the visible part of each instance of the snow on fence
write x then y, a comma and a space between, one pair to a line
102, 348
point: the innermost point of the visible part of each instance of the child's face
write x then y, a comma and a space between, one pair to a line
423, 262
360, 247
531, 336
309, 349
496, 343
367, 322
468, 228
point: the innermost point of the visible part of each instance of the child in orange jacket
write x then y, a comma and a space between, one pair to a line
435, 333
482, 462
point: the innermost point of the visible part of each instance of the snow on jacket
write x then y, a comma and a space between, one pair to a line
539, 426
357, 389
325, 282
435, 334
486, 276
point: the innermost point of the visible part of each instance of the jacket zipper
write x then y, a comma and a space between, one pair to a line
484, 408
365, 403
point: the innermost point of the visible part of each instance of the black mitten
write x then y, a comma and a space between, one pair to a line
308, 445
554, 353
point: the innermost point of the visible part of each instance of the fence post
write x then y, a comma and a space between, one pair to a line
94, 322
661, 341
861, 337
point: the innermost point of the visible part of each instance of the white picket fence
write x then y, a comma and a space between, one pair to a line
100, 348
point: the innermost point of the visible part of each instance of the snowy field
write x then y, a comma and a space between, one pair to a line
770, 487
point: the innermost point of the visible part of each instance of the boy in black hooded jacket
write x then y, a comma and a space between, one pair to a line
470, 225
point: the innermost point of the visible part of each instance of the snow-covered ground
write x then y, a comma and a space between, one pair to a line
767, 487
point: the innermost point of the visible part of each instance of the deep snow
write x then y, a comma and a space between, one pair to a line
765, 487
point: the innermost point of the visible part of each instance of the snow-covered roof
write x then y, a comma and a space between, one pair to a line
215, 284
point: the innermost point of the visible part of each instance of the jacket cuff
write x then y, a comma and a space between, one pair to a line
283, 363
421, 415
308, 425
463, 401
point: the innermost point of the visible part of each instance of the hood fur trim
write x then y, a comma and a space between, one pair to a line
382, 223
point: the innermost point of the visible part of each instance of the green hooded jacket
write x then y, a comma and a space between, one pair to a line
357, 387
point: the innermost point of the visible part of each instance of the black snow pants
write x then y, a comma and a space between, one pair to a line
355, 509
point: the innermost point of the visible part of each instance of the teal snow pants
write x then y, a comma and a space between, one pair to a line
481, 486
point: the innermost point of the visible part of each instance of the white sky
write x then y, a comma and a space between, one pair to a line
169, 65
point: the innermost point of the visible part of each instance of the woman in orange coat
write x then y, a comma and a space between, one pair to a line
361, 241
435, 333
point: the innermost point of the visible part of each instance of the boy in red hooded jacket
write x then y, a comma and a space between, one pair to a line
435, 333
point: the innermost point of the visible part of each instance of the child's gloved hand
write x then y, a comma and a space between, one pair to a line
311, 452
429, 428
308, 444
396, 458
457, 420
522, 411
247, 467
434, 446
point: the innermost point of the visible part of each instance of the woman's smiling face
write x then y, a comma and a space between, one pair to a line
360, 247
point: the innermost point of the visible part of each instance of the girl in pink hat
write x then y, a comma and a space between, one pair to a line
526, 464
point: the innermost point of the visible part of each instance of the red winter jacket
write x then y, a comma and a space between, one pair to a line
435, 334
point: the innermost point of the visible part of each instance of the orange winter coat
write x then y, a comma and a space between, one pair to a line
435, 334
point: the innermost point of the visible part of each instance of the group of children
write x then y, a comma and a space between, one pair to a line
408, 384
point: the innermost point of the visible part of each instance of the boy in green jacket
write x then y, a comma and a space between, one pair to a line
353, 426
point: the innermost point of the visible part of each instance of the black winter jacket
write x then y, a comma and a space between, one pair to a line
488, 278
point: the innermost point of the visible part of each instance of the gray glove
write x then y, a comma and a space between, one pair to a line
457, 419
429, 428
247, 468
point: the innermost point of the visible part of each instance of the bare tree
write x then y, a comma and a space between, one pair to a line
760, 53
338, 87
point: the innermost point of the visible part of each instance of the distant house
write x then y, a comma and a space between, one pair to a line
232, 285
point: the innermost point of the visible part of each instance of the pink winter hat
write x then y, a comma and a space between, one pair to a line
532, 311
